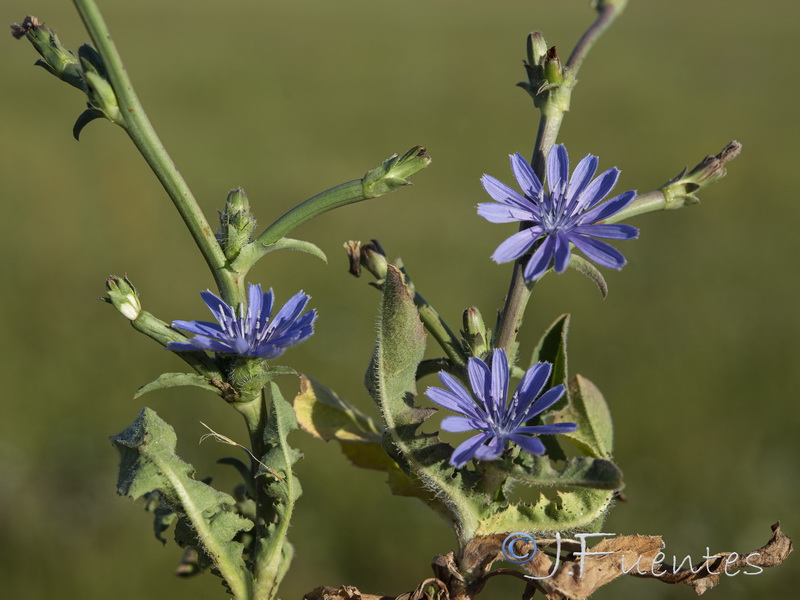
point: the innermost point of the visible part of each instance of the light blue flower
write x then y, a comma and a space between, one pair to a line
251, 334
487, 411
571, 213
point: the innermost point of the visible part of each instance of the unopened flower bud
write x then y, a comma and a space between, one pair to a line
102, 98
373, 258
394, 172
476, 337
123, 296
553, 72
680, 191
56, 59
537, 48
236, 223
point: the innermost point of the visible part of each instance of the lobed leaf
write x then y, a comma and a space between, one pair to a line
148, 463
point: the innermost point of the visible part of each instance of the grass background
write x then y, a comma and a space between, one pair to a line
695, 347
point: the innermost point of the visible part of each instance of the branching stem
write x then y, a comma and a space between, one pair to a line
149, 145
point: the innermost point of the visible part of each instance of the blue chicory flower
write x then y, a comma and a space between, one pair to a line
486, 410
571, 213
252, 334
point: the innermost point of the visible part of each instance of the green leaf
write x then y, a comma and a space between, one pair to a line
583, 266
86, 117
273, 552
148, 462
577, 472
255, 250
576, 509
170, 380
325, 415
391, 380
552, 348
588, 408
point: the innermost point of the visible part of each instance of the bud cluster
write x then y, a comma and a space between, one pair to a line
87, 72
549, 83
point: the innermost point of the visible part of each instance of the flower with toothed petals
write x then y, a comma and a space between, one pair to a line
252, 333
570, 212
487, 411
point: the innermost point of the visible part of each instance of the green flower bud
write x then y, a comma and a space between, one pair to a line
680, 191
553, 72
394, 172
102, 97
475, 334
373, 258
248, 376
123, 296
56, 59
537, 48
236, 224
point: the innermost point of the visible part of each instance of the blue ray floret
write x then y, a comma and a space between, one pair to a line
486, 410
252, 333
570, 212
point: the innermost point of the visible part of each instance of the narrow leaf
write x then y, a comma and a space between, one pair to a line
583, 266
86, 117
552, 348
170, 380
275, 474
256, 250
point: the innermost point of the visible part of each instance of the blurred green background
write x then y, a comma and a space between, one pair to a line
695, 347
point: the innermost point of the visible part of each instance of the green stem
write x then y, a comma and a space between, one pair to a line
644, 203
519, 291
440, 331
341, 195
149, 145
607, 12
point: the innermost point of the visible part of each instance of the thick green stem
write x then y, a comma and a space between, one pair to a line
519, 291
144, 137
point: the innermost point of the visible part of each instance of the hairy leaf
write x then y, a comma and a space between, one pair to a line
574, 509
391, 380
277, 479
148, 462
576, 472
